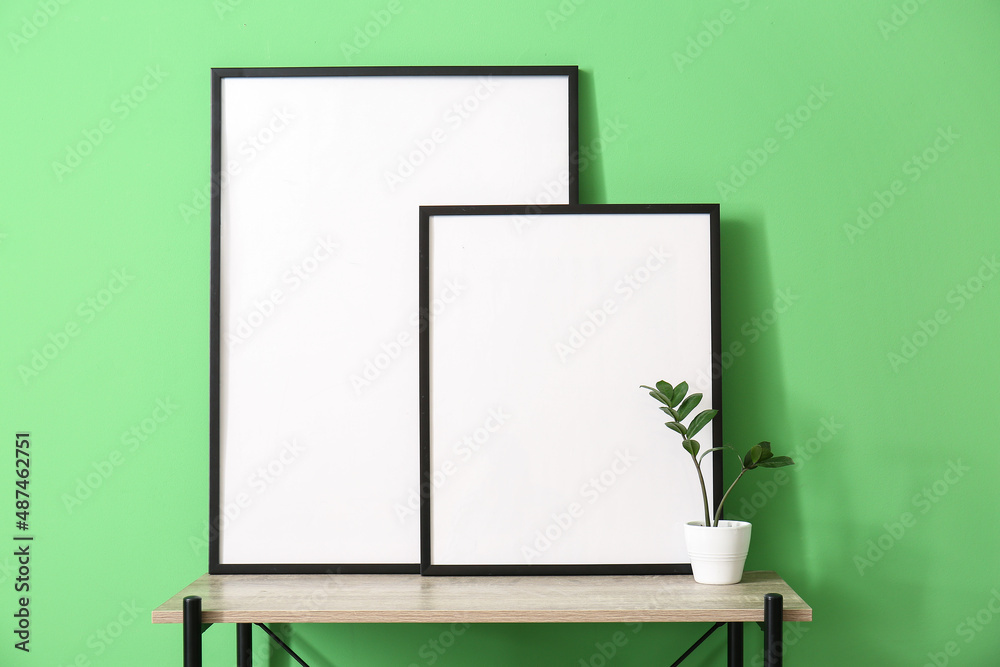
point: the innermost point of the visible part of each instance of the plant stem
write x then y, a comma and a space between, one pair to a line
723, 501
704, 491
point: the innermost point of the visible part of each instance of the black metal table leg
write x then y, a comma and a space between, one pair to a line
244, 645
735, 644
192, 631
773, 619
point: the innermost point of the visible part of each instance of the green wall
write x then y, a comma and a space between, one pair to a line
867, 348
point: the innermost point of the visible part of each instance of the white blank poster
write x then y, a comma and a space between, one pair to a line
322, 177
542, 449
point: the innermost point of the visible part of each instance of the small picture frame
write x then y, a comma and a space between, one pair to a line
540, 454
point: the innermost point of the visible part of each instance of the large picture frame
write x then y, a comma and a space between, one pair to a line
540, 454
317, 176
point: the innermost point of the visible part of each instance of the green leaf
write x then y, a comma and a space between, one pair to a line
692, 446
777, 462
664, 388
765, 451
701, 420
670, 411
689, 404
755, 453
674, 426
680, 391
657, 394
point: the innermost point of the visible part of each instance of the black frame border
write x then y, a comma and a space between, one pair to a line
215, 520
426, 213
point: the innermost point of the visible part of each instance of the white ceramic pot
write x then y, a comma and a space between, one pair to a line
717, 553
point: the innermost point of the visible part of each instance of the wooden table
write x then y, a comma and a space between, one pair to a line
389, 598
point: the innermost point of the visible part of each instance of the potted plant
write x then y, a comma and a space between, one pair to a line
718, 549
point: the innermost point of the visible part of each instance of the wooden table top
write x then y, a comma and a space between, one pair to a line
409, 598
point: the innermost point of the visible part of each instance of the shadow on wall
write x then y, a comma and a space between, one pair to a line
594, 140
756, 407
754, 403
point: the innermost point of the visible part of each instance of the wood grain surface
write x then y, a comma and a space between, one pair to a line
389, 598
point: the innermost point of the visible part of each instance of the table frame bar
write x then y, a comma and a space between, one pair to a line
772, 626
